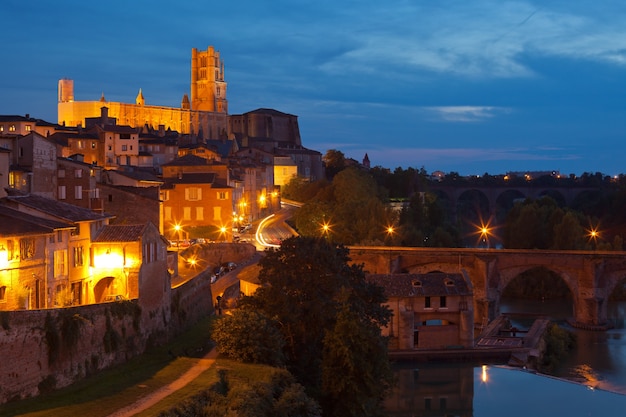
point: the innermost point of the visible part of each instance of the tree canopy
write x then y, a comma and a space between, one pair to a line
330, 318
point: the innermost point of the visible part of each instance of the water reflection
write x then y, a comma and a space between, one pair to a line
432, 390
599, 359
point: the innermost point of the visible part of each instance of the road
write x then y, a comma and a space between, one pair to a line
273, 229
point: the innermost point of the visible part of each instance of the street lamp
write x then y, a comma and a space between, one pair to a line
325, 228
223, 232
390, 231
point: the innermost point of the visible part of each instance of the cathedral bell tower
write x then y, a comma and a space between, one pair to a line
208, 88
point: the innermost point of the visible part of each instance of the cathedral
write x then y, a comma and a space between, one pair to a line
205, 115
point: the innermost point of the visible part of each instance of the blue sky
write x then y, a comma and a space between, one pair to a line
465, 86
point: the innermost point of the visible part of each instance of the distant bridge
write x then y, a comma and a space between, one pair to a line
563, 195
590, 275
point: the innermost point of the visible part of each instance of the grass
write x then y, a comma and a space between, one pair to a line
112, 389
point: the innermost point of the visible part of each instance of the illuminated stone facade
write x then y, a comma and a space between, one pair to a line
205, 114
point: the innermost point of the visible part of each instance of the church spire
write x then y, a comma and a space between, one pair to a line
140, 100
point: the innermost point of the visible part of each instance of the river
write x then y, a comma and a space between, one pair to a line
590, 381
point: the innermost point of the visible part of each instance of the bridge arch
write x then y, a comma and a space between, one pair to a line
107, 286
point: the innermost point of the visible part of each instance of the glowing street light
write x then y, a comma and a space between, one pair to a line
223, 232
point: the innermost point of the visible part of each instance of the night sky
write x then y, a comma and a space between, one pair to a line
472, 87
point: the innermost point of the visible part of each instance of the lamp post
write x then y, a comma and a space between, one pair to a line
390, 232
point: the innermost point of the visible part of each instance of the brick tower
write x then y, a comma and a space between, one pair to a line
208, 88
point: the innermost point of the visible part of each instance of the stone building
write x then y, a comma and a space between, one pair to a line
430, 311
205, 114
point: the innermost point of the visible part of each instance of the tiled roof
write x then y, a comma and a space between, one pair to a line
120, 233
421, 285
188, 160
54, 208
15, 223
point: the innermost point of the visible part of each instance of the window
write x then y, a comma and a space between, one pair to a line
59, 236
124, 135
167, 213
124, 148
27, 248
193, 194
76, 230
1, 128
79, 258
78, 192
78, 173
61, 173
62, 192
427, 302
28, 128
443, 301
199, 213
81, 144
11, 128
222, 195
186, 213
93, 145
3, 294
60, 265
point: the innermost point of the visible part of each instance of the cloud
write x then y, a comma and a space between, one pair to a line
481, 39
465, 114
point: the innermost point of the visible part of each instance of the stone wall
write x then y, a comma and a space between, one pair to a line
43, 350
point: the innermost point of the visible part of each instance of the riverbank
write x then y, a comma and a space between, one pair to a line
497, 343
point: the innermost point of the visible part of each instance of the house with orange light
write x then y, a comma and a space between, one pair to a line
197, 203
65, 275
129, 261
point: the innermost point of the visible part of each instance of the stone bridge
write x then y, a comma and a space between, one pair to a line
590, 275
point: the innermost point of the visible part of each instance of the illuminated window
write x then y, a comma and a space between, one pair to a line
193, 194
1, 128
60, 264
11, 128
93, 145
27, 248
79, 257
28, 128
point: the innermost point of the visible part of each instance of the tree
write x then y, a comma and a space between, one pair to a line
334, 161
306, 284
249, 336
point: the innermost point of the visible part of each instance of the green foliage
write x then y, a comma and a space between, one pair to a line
308, 283
352, 385
558, 343
53, 339
353, 207
279, 396
334, 162
5, 319
542, 224
71, 325
249, 336
111, 339
121, 309
423, 222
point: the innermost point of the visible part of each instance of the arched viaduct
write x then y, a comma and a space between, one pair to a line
590, 275
493, 193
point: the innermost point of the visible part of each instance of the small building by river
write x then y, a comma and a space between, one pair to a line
430, 311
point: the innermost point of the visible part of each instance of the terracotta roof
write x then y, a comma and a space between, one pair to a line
54, 208
120, 233
188, 160
192, 178
15, 223
422, 285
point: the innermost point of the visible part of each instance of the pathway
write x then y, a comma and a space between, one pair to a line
152, 398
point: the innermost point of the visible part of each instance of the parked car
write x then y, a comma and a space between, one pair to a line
112, 298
